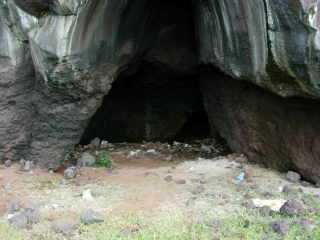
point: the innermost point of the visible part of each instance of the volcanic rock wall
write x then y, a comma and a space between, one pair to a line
58, 59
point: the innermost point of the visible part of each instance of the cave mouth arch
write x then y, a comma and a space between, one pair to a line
150, 105
157, 97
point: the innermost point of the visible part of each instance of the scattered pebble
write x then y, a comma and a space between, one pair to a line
293, 177
275, 204
19, 220
282, 227
135, 153
197, 190
26, 166
168, 178
89, 217
180, 181
265, 211
291, 190
306, 184
8, 163
14, 206
70, 173
95, 143
65, 227
292, 207
307, 225
25, 218
87, 195
151, 152
87, 160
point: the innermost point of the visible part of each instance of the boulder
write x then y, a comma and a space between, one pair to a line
87, 160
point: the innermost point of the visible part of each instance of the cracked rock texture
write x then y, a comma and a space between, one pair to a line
59, 58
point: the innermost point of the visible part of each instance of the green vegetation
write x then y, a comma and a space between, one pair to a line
9, 233
246, 225
104, 160
170, 227
242, 226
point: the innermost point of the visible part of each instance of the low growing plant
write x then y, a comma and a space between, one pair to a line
104, 160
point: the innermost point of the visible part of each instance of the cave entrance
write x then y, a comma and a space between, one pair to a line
157, 98
150, 105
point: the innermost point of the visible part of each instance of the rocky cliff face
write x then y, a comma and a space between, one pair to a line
59, 59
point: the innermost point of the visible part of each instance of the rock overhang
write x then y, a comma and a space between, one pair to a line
78, 48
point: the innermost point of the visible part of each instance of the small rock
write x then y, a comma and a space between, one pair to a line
25, 219
26, 166
267, 194
86, 160
33, 216
129, 231
249, 204
168, 178
87, 195
14, 206
265, 211
134, 153
317, 196
151, 152
150, 174
104, 144
70, 173
19, 220
274, 204
198, 190
307, 225
180, 181
95, 143
65, 227
22, 162
205, 149
293, 177
292, 207
306, 184
8, 163
202, 181
91, 217
282, 227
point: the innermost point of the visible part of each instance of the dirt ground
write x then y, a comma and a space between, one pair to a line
147, 185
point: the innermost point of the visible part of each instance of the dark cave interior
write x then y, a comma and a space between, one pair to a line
151, 105
158, 98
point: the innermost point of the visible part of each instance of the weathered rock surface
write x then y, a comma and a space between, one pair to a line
272, 43
58, 60
280, 133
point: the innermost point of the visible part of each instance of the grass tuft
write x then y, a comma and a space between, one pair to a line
104, 160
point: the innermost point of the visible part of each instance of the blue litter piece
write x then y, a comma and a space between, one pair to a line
240, 179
